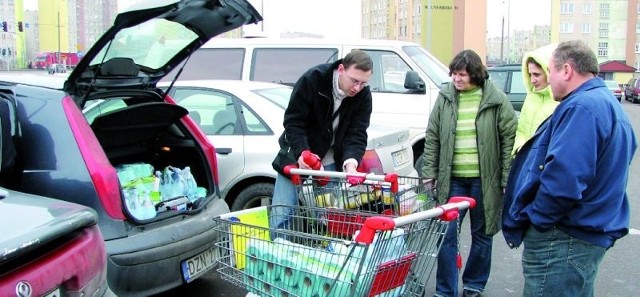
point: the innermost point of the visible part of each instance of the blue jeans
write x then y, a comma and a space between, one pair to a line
556, 264
478, 267
285, 193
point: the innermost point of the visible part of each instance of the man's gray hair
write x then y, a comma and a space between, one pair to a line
577, 54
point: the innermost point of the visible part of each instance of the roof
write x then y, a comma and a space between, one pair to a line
615, 66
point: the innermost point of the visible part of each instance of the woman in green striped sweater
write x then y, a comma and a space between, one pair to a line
468, 147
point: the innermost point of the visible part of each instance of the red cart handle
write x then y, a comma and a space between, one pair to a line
313, 161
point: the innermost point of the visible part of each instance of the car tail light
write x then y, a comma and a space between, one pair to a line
370, 163
208, 148
78, 267
102, 173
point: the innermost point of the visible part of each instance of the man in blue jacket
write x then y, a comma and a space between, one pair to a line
566, 195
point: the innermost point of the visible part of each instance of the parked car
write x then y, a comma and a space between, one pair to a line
64, 157
614, 88
404, 85
49, 248
508, 78
244, 120
632, 90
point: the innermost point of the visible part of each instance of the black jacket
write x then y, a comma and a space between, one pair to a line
308, 120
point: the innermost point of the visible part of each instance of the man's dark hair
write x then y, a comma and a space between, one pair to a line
577, 54
470, 61
359, 59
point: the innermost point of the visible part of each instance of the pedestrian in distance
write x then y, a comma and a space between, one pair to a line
327, 116
566, 200
467, 151
539, 103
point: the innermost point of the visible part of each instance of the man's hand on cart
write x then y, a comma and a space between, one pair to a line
309, 160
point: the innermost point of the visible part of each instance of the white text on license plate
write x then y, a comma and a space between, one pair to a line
199, 263
400, 157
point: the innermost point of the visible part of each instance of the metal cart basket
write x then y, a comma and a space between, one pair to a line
312, 255
384, 194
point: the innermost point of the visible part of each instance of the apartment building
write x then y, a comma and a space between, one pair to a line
610, 27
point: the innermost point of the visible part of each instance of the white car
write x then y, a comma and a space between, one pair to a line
243, 120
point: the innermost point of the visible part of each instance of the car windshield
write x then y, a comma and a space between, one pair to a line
279, 96
428, 64
150, 44
611, 84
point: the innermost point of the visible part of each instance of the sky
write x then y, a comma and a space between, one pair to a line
341, 18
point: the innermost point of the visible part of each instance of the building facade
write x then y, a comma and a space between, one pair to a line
610, 27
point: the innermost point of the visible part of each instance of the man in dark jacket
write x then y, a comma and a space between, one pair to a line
328, 115
566, 199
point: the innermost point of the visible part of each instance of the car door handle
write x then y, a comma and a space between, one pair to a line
223, 150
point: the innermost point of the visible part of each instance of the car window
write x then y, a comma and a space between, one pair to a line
517, 83
94, 108
216, 113
286, 65
388, 73
279, 96
212, 63
434, 69
499, 79
150, 44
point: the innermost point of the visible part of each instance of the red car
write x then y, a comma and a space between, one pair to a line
49, 248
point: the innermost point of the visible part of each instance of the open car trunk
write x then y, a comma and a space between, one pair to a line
160, 164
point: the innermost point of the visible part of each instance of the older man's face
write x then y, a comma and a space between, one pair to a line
557, 80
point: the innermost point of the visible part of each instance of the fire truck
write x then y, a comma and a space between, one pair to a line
46, 59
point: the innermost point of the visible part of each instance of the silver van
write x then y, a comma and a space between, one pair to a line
405, 83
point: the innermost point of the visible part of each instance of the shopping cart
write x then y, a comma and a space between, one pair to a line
385, 255
383, 194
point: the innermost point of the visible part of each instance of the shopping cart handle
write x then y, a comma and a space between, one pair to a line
373, 224
450, 214
295, 178
356, 179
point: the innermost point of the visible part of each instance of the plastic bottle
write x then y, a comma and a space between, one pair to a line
190, 184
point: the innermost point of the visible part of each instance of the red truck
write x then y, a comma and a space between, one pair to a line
46, 59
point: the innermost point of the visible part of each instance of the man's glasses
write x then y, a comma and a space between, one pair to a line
356, 82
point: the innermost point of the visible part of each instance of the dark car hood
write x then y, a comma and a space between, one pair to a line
116, 59
29, 221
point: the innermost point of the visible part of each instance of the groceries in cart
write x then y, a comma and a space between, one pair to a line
382, 256
383, 194
148, 192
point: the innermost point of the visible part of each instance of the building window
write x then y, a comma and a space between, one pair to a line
603, 30
566, 8
566, 28
586, 27
603, 48
638, 28
587, 8
637, 47
604, 10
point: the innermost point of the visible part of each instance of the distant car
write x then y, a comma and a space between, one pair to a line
156, 239
57, 68
244, 120
508, 78
614, 88
49, 248
632, 90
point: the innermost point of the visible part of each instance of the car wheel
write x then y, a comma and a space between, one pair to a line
418, 164
253, 196
634, 99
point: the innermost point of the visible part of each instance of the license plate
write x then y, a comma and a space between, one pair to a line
400, 157
54, 293
199, 264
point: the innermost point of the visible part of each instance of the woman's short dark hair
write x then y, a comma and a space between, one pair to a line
469, 61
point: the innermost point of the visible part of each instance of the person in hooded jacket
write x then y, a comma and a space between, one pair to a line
467, 152
539, 103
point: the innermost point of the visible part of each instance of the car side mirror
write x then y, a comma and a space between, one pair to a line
414, 83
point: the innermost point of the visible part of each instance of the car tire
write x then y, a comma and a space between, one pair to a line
253, 196
419, 163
